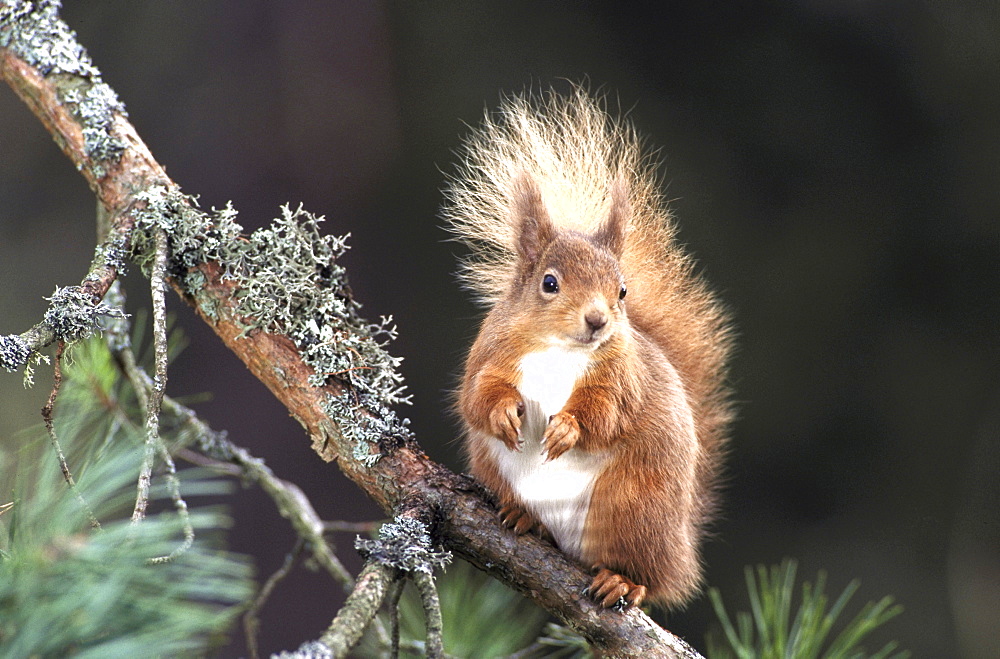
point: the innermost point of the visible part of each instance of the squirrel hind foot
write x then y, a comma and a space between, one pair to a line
612, 590
521, 521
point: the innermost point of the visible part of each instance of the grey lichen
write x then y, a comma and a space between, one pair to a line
308, 650
196, 237
36, 34
95, 109
34, 359
73, 315
405, 544
116, 328
369, 422
110, 254
297, 284
14, 352
289, 283
333, 354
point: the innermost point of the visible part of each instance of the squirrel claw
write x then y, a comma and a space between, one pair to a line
520, 521
612, 590
561, 435
505, 421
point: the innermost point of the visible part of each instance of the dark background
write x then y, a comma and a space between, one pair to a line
833, 166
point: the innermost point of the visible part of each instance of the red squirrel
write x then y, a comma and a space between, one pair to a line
593, 398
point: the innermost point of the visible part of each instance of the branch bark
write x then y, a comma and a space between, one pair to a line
465, 522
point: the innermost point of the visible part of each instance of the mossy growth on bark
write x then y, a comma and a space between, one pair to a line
287, 282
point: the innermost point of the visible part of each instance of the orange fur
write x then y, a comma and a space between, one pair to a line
563, 211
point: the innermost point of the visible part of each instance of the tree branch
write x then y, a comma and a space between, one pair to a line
389, 466
360, 608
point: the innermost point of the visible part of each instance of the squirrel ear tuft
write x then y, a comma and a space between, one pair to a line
535, 230
611, 235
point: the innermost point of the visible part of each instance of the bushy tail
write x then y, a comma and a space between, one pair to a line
576, 154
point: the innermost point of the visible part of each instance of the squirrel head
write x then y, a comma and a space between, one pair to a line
570, 284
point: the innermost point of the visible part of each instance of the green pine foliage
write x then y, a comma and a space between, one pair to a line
768, 631
558, 642
68, 589
482, 617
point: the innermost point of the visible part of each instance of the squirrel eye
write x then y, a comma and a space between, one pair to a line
550, 284
621, 292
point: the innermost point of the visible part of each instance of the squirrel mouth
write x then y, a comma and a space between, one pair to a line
590, 340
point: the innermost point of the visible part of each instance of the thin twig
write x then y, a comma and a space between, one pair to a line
251, 619
424, 582
113, 235
174, 487
291, 502
201, 460
223, 455
152, 399
140, 383
338, 526
54, 440
394, 597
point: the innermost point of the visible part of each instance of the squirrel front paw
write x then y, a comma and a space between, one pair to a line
561, 435
505, 423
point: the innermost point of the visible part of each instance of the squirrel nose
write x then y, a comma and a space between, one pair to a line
596, 319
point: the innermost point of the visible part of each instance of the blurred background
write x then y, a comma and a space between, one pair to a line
833, 167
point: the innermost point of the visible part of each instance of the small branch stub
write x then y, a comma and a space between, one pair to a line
406, 545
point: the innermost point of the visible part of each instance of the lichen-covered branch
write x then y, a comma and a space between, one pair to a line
359, 609
278, 300
153, 398
403, 547
45, 66
73, 314
432, 610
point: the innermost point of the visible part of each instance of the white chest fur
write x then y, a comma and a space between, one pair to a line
557, 492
